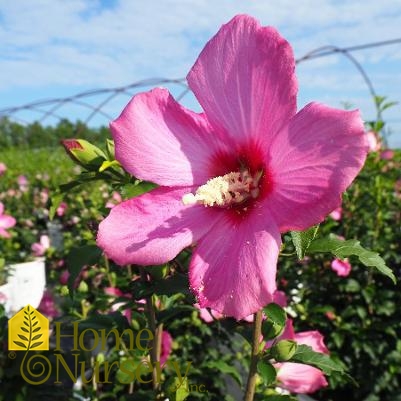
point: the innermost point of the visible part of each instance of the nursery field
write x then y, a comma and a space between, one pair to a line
354, 307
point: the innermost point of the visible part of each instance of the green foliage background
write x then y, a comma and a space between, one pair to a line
359, 315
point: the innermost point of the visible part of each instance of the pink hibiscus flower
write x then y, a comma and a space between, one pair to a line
167, 346
39, 248
3, 168
296, 377
23, 183
341, 267
234, 177
387, 154
6, 222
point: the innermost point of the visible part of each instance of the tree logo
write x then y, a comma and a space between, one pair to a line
28, 330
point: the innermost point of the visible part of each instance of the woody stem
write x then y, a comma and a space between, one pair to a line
257, 332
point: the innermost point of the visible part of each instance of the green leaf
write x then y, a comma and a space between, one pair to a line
224, 367
303, 239
284, 350
77, 259
267, 372
167, 314
274, 325
344, 248
110, 149
173, 285
176, 390
133, 190
55, 201
305, 354
108, 163
126, 372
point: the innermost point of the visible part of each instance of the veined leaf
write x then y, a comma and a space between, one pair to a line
303, 239
344, 248
305, 354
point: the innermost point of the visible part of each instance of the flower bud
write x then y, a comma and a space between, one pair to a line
84, 153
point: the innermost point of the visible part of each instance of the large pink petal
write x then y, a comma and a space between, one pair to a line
233, 269
311, 163
299, 378
153, 228
158, 140
244, 79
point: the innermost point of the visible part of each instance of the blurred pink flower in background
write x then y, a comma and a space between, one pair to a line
373, 141
48, 306
387, 154
44, 196
63, 279
208, 315
336, 214
23, 183
39, 248
167, 344
296, 377
116, 292
3, 168
115, 200
62, 207
341, 267
233, 178
6, 222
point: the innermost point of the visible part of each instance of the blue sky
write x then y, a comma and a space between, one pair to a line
57, 48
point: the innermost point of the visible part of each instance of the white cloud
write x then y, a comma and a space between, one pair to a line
82, 44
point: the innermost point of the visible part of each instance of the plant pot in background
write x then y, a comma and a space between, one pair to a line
25, 285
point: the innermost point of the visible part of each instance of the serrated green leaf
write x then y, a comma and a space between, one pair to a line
224, 367
305, 354
267, 372
303, 239
344, 248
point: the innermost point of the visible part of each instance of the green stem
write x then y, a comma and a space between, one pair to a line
156, 342
257, 332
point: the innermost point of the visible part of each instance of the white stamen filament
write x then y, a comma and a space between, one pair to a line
225, 190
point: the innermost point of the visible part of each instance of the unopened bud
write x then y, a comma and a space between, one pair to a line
84, 153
